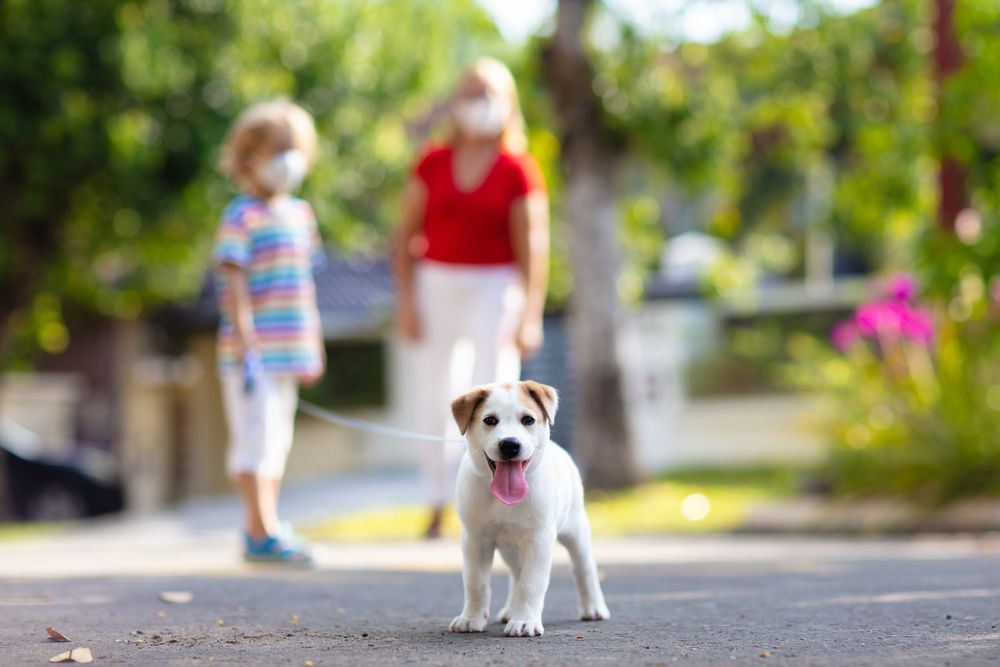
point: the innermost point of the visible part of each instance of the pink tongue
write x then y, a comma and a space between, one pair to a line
509, 485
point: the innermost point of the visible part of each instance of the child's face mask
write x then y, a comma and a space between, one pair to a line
483, 117
284, 172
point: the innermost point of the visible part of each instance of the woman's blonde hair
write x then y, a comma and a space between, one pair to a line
498, 77
262, 122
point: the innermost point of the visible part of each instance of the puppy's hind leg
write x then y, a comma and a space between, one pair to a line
510, 557
588, 586
478, 556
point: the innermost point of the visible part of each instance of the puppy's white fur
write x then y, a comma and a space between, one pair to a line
525, 533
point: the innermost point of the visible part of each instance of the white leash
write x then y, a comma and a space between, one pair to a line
362, 425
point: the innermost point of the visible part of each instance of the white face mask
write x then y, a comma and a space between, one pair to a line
283, 172
483, 117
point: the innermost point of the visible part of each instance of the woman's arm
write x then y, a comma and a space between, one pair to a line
530, 235
414, 203
239, 307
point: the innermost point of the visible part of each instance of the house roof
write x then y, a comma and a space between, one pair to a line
354, 295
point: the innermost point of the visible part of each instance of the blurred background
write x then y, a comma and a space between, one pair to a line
804, 196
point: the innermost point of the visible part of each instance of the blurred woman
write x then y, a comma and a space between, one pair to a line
471, 258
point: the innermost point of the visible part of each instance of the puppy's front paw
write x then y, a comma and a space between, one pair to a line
468, 624
505, 614
529, 628
595, 612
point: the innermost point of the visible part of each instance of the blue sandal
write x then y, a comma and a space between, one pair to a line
276, 549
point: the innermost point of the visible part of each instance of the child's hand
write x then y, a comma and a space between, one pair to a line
310, 380
247, 348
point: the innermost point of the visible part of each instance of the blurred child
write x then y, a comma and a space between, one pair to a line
269, 339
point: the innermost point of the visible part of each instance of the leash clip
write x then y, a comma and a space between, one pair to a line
253, 368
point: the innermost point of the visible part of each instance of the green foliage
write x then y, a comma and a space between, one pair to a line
641, 238
753, 353
101, 133
970, 128
113, 114
904, 419
755, 121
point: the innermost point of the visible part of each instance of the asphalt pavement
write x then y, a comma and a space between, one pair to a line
689, 601
686, 600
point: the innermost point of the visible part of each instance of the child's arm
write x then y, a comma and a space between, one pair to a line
240, 308
318, 260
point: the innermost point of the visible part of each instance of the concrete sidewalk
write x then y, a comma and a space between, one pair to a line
202, 537
133, 549
198, 536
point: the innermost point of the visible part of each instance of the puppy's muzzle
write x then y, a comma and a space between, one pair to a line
510, 448
509, 485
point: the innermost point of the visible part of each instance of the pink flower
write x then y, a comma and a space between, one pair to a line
917, 325
890, 320
995, 290
845, 335
901, 287
879, 319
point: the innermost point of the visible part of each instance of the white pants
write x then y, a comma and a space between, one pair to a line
261, 423
469, 317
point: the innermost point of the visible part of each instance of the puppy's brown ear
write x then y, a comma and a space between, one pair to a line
544, 396
464, 407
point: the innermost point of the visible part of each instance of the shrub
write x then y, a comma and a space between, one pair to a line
912, 392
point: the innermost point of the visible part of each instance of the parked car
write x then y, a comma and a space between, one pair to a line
42, 489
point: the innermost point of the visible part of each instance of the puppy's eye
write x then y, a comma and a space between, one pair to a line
490, 420
527, 420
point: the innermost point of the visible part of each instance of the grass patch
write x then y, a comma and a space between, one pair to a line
17, 531
390, 523
689, 501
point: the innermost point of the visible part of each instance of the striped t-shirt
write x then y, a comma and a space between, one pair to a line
277, 244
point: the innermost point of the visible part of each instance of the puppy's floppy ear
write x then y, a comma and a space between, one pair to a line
544, 396
464, 407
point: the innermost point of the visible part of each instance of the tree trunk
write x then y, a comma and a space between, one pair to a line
947, 60
34, 247
589, 156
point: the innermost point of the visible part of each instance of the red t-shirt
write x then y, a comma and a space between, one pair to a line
473, 227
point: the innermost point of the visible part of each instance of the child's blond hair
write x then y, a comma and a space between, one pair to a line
261, 122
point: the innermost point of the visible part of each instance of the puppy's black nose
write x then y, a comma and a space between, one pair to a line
510, 448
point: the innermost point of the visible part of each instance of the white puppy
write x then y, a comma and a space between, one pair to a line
519, 492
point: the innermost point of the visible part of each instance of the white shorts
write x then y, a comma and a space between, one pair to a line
261, 424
